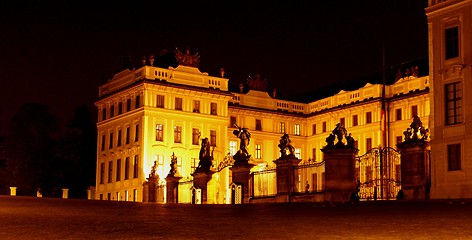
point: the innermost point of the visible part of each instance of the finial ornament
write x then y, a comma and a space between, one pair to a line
186, 58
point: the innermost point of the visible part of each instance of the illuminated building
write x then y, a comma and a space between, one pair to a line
148, 114
449, 27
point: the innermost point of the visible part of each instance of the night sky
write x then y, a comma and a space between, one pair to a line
57, 53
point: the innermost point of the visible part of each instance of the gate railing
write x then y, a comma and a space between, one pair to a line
264, 183
309, 177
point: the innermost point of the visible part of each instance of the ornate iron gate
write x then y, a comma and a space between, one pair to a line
378, 173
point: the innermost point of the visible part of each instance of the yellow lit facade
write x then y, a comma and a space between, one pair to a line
450, 53
150, 113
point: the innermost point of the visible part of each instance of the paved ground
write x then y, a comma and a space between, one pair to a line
34, 218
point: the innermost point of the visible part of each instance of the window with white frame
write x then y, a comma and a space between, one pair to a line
232, 147
258, 151
298, 153
296, 129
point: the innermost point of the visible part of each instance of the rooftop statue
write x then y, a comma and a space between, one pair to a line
257, 83
186, 58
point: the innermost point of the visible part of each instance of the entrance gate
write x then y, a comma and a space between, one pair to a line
378, 173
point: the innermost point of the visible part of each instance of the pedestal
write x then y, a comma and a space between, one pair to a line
172, 189
200, 180
91, 193
415, 171
340, 175
285, 178
150, 189
241, 176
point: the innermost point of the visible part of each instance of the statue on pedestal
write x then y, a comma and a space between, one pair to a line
173, 172
340, 132
245, 137
286, 145
205, 157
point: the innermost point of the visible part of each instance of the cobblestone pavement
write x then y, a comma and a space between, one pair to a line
42, 218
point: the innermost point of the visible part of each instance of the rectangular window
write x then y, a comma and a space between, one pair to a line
159, 132
104, 114
453, 103
452, 42
213, 138
135, 167
355, 120
368, 144
177, 134
179, 164
160, 165
314, 154
137, 104
298, 153
120, 108
195, 136
102, 173
112, 111
196, 106
127, 135
398, 114
213, 108
258, 125
232, 121
193, 164
118, 170
314, 129
136, 132
282, 127
232, 147
127, 168
160, 101
296, 129
368, 117
414, 111
258, 151
110, 145
178, 103
103, 142
135, 195
110, 171
453, 157
342, 121
128, 105
324, 127
118, 141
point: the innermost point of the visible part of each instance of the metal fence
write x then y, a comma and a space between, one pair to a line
264, 183
309, 177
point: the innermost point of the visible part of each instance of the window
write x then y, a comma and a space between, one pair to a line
195, 136
356, 144
137, 104
135, 195
232, 147
118, 141
127, 168
103, 142
452, 42
298, 153
258, 151
118, 170
314, 129
110, 171
135, 167
102, 173
314, 154
196, 106
136, 132
160, 101
453, 157
296, 129
368, 144
111, 141
127, 135
232, 121
453, 103
178, 103
282, 127
355, 120
112, 111
342, 121
179, 164
128, 105
104, 114
414, 111
368, 117
193, 164
177, 134
258, 125
324, 126
398, 114
214, 109
159, 132
160, 165
120, 108
213, 138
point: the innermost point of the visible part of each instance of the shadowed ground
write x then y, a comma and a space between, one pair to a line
43, 218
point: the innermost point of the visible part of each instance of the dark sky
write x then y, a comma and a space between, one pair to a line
58, 52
